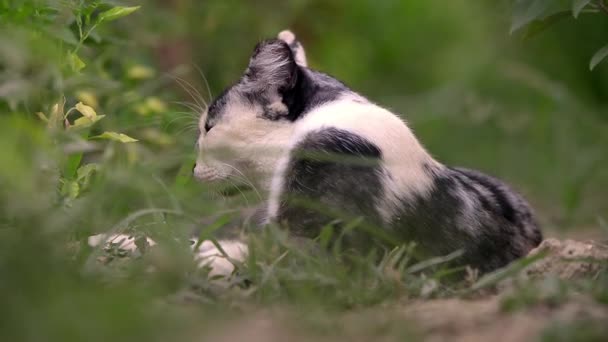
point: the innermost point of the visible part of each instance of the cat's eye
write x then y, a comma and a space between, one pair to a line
207, 127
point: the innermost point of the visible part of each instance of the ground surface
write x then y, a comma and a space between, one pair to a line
507, 312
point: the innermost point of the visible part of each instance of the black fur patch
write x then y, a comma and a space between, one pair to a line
332, 174
216, 108
311, 90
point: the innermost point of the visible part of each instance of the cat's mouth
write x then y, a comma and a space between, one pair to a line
222, 181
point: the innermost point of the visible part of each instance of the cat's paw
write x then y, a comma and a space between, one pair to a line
208, 255
117, 241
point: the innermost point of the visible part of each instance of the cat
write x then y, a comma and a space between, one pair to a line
318, 153
312, 143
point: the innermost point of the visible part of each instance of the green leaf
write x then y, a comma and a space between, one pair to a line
85, 171
85, 110
70, 189
578, 6
527, 11
123, 138
89, 8
539, 26
84, 122
84, 174
42, 116
75, 62
71, 165
117, 12
598, 57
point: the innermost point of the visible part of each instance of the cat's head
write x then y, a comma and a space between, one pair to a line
246, 128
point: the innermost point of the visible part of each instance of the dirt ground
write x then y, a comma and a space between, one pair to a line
480, 319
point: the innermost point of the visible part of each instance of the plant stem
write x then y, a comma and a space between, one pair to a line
83, 38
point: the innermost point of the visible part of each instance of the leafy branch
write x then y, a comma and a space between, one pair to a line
536, 16
79, 119
85, 28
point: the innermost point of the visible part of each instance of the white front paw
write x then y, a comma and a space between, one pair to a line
119, 241
209, 255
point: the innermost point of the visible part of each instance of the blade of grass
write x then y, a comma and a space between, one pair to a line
506, 272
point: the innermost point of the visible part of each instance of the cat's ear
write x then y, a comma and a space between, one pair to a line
296, 47
272, 68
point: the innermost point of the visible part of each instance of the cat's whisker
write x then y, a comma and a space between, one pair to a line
191, 114
195, 109
174, 120
178, 119
206, 82
185, 116
200, 103
188, 87
249, 184
246, 180
185, 130
192, 91
236, 186
218, 194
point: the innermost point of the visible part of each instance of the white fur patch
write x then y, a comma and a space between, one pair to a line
287, 36
242, 135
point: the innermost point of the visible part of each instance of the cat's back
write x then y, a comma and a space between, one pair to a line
473, 212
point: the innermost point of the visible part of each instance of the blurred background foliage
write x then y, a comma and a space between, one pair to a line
521, 106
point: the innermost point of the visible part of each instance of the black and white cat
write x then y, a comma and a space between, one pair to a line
303, 134
318, 151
